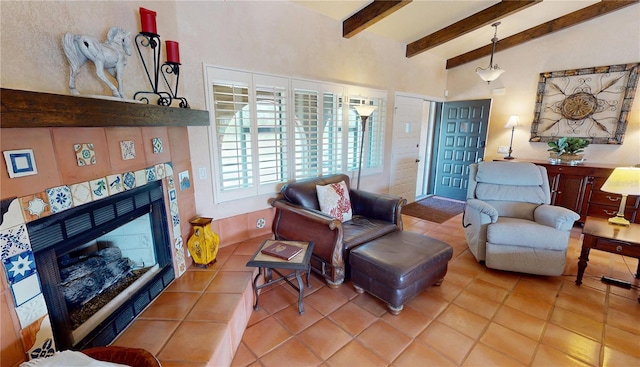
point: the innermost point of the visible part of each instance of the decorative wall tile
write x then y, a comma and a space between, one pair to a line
180, 262
20, 163
157, 145
141, 177
175, 216
129, 180
42, 336
171, 182
19, 266
13, 214
128, 149
114, 184
99, 188
59, 198
31, 310
173, 196
14, 241
151, 174
35, 206
26, 289
81, 193
160, 172
85, 155
183, 178
168, 168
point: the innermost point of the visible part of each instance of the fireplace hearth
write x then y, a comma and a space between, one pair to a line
93, 244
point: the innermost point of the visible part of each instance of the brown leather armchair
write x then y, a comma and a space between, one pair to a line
298, 217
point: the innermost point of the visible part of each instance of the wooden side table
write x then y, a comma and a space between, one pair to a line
268, 264
600, 235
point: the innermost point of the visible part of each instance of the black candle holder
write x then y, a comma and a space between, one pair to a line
173, 68
151, 40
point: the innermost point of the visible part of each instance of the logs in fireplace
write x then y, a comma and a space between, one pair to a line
77, 262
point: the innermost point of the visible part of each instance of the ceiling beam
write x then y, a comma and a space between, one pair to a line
370, 15
466, 25
566, 21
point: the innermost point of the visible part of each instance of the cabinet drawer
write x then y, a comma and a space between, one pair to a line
607, 211
608, 198
618, 247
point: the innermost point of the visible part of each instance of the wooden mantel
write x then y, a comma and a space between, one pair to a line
34, 109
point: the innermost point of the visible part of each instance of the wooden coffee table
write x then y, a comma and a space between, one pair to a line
600, 235
268, 264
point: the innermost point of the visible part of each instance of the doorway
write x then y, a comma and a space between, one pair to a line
461, 139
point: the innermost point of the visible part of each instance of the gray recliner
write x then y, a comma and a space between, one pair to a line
508, 222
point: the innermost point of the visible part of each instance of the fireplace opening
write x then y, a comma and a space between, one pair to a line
102, 263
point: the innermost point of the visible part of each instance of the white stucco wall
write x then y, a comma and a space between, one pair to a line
607, 40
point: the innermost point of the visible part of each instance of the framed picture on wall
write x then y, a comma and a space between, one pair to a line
591, 103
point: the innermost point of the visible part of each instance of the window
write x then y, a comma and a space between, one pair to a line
269, 130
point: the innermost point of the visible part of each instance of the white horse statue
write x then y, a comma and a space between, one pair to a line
110, 55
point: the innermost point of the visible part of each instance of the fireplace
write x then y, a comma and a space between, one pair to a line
80, 252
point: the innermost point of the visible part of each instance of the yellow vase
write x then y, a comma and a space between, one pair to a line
203, 243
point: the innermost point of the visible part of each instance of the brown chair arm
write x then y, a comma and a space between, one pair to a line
377, 206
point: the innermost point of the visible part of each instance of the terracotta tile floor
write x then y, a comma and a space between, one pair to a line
477, 317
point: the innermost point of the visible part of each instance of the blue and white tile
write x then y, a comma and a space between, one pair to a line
26, 289
128, 149
99, 188
128, 180
44, 345
141, 177
13, 216
168, 168
19, 266
173, 195
13, 241
59, 198
85, 154
114, 184
151, 174
180, 262
160, 171
31, 310
157, 145
81, 193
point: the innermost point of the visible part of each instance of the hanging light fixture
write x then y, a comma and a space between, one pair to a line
492, 72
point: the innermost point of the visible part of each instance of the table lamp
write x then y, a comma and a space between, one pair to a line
512, 123
624, 181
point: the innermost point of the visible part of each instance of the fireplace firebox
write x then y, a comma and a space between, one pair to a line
78, 256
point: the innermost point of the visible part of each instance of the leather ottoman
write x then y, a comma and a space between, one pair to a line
398, 266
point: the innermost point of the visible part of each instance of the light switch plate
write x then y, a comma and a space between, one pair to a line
503, 149
203, 173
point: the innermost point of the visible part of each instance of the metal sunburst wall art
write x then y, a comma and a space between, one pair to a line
590, 103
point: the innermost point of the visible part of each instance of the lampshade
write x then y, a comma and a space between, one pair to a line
512, 122
489, 75
365, 109
623, 180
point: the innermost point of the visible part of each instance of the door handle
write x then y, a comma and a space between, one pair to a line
417, 160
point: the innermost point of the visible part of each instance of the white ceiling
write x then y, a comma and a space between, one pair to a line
423, 17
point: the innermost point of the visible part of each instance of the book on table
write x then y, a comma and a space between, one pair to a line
282, 250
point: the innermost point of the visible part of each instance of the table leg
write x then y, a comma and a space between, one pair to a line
638, 273
582, 263
255, 288
300, 293
309, 272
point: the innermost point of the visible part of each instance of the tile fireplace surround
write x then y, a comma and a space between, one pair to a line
26, 328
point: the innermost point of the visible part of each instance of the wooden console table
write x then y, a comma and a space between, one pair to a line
600, 235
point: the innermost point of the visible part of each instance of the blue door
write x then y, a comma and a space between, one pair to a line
462, 135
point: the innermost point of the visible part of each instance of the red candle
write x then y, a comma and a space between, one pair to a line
173, 52
148, 21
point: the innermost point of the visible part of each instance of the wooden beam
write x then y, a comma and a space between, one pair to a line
370, 15
33, 109
468, 24
566, 21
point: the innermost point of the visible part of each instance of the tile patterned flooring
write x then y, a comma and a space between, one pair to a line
477, 317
